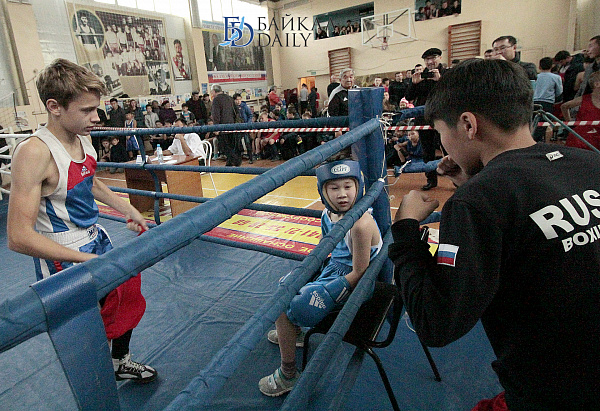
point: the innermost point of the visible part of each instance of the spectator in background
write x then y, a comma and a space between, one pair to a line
488, 54
456, 7
312, 101
505, 48
587, 63
385, 82
167, 114
303, 98
423, 82
445, 10
246, 116
138, 114
197, 107
273, 97
155, 107
338, 99
593, 52
377, 82
349, 28
548, 90
568, 68
420, 14
185, 144
116, 114
397, 88
186, 114
223, 112
388, 106
321, 34
589, 109
102, 116
118, 154
333, 84
150, 118
208, 104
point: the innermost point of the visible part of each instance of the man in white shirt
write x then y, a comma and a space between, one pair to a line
303, 98
185, 144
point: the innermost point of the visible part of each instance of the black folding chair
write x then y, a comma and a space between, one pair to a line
365, 328
367, 324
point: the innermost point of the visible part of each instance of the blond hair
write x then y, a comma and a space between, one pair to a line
64, 81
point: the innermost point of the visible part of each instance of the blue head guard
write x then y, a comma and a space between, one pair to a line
335, 170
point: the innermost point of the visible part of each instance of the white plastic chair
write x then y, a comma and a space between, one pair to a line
206, 155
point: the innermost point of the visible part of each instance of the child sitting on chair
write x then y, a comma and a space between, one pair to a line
340, 184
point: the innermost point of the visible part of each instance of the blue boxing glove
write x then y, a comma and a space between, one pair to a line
315, 300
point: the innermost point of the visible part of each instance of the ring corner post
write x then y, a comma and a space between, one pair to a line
365, 104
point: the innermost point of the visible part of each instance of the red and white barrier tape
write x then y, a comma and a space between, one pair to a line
266, 130
331, 129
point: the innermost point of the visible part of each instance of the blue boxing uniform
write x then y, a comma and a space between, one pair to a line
338, 266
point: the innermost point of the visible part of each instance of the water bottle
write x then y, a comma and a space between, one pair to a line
159, 154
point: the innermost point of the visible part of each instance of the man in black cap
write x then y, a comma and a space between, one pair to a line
418, 92
197, 107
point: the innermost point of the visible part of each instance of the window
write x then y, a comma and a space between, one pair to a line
341, 22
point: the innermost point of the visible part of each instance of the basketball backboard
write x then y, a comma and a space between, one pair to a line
382, 30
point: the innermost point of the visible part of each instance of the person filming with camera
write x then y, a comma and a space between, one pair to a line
422, 84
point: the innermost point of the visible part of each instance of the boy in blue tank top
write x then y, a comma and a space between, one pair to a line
340, 184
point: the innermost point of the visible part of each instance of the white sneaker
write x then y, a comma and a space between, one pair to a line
127, 369
277, 384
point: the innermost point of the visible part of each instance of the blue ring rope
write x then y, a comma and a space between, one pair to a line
254, 206
207, 384
22, 317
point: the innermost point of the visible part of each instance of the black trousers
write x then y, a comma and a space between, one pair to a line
230, 144
303, 107
539, 133
430, 140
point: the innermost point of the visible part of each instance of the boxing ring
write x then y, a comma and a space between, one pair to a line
209, 307
65, 305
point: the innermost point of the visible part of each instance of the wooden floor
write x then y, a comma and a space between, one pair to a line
301, 192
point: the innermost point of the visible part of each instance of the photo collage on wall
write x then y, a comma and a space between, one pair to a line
433, 9
129, 52
220, 58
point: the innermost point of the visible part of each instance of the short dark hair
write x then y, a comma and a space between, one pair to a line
546, 63
561, 55
184, 105
236, 95
512, 40
596, 39
498, 90
488, 51
113, 99
176, 41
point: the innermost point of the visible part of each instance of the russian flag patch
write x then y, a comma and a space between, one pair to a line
446, 254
